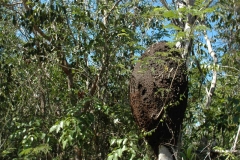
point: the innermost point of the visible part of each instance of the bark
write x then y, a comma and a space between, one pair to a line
236, 139
164, 153
214, 71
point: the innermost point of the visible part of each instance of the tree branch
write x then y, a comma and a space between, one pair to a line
185, 43
214, 74
36, 28
226, 151
165, 4
106, 16
235, 142
164, 153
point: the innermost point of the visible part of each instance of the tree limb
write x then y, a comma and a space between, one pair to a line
226, 151
185, 43
236, 139
214, 74
36, 28
106, 16
165, 4
164, 153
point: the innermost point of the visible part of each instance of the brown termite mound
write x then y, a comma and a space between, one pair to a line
158, 94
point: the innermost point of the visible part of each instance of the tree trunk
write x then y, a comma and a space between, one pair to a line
164, 153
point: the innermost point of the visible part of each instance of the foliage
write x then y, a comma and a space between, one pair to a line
64, 74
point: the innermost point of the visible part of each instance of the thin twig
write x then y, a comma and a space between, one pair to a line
205, 148
208, 155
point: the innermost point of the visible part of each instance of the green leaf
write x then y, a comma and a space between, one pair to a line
26, 152
125, 141
58, 128
201, 28
112, 141
209, 10
171, 14
70, 138
110, 157
61, 124
159, 9
180, 35
64, 143
189, 151
7, 151
119, 152
119, 141
172, 26
123, 34
53, 128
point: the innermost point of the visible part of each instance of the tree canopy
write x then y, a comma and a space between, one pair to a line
65, 67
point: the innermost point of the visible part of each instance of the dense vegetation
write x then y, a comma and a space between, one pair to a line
65, 68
